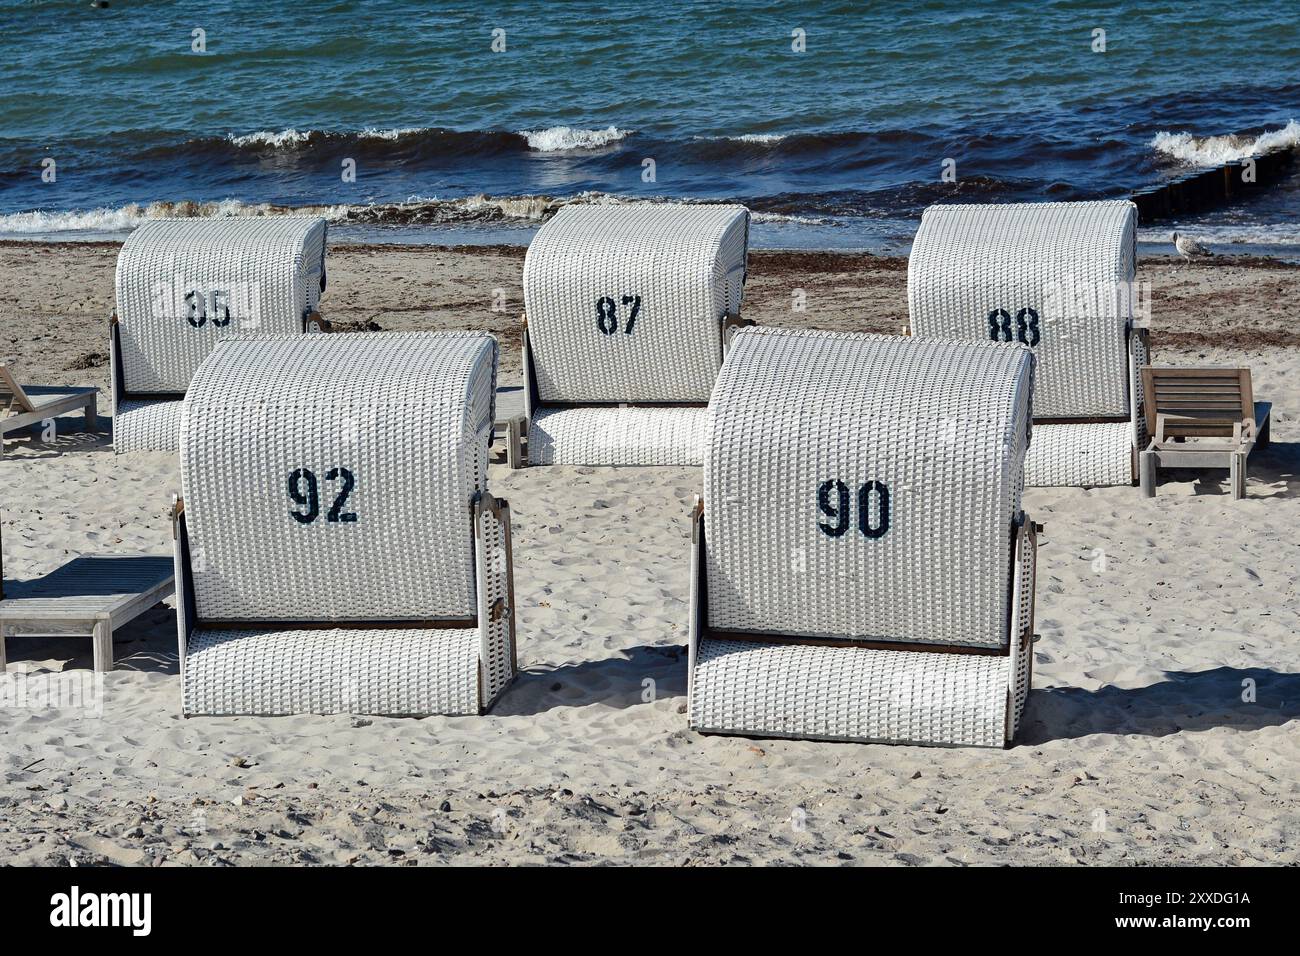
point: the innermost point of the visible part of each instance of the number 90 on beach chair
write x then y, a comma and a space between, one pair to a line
182, 284
1059, 278
861, 566
336, 545
628, 311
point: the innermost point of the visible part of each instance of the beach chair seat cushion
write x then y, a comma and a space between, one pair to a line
625, 302
1078, 454
332, 477
863, 488
1055, 276
618, 435
394, 671
183, 283
849, 693
144, 425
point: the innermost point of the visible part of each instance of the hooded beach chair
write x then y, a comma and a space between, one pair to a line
23, 406
337, 549
1058, 277
628, 309
861, 566
182, 284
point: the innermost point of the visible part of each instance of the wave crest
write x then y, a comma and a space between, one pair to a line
1217, 150
562, 138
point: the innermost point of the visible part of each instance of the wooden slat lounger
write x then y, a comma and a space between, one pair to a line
1215, 408
23, 406
91, 595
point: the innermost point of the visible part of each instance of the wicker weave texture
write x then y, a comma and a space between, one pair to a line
679, 267
1078, 454
496, 615
926, 441
147, 426
403, 671
614, 435
849, 693
1057, 276
331, 477
184, 283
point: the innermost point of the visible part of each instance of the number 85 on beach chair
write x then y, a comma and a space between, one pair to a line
182, 284
628, 312
337, 548
861, 566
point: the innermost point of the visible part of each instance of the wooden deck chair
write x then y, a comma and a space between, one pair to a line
862, 568
337, 549
181, 285
90, 596
23, 406
628, 312
1060, 278
1201, 418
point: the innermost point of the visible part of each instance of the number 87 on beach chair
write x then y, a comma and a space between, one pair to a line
861, 566
628, 311
337, 548
183, 284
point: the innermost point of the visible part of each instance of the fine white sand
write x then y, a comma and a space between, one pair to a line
1137, 746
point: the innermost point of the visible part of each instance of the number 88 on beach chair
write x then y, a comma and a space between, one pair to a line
1058, 277
182, 284
337, 549
861, 567
628, 309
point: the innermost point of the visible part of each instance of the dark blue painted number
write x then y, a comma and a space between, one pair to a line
1027, 329
607, 313
304, 491
873, 508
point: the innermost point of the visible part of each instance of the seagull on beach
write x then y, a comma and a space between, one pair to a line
1188, 247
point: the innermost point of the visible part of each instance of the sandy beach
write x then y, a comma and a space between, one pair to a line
1162, 727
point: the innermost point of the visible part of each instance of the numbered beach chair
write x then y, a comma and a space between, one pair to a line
1058, 277
337, 549
861, 566
628, 309
184, 283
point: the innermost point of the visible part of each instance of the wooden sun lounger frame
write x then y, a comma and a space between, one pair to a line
33, 410
1216, 404
64, 602
517, 426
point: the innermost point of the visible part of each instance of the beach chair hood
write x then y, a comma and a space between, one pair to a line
865, 488
332, 477
625, 302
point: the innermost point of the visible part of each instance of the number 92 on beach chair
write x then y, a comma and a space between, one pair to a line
337, 549
182, 284
1059, 278
628, 309
861, 567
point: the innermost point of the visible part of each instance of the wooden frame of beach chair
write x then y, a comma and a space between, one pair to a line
400, 599
1216, 408
629, 309
1059, 277
182, 284
912, 624
22, 407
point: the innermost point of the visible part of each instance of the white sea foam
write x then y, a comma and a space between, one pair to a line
560, 138
1227, 234
123, 218
1217, 150
763, 138
285, 137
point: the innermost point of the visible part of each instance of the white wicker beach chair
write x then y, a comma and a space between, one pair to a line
628, 312
337, 549
861, 566
1058, 277
184, 283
